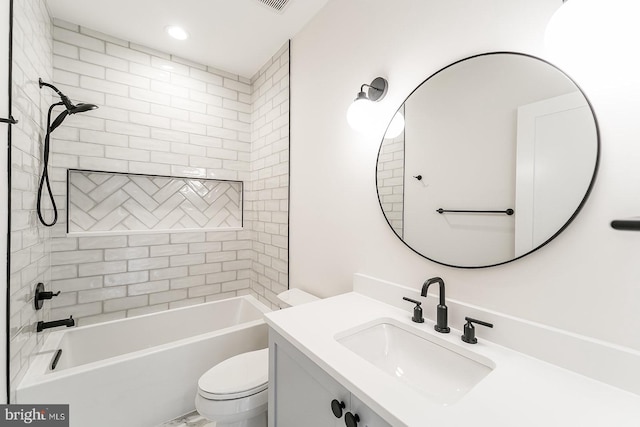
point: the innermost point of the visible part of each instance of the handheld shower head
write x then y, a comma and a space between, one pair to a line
71, 109
81, 108
68, 105
51, 126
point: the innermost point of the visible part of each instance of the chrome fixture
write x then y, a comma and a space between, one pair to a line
70, 108
363, 116
360, 114
441, 323
376, 92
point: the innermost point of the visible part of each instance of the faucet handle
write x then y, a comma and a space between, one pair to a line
469, 335
417, 310
40, 295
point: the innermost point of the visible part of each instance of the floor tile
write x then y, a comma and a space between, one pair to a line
192, 419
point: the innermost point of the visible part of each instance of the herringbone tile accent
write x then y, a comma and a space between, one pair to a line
102, 202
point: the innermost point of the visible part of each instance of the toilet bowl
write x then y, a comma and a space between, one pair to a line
234, 392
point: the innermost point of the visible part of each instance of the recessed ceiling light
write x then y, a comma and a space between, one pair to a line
176, 32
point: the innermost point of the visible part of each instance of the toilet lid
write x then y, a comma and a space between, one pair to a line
237, 377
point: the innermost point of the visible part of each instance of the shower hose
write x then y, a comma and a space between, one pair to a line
44, 179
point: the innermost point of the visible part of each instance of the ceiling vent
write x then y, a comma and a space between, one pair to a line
276, 5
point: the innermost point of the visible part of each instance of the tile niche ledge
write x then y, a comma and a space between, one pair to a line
103, 203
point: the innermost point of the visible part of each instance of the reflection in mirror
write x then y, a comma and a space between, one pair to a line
493, 132
390, 178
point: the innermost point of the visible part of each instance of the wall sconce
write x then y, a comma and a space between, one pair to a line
361, 113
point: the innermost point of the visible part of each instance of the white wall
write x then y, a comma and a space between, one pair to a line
585, 281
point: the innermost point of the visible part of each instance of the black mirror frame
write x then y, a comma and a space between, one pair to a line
566, 224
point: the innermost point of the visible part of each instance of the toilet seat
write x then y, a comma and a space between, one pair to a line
237, 377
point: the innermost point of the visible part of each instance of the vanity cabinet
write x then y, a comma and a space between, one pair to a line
301, 393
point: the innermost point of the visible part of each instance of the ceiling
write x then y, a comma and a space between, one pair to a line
238, 36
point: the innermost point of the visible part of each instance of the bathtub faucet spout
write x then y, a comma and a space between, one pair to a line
41, 326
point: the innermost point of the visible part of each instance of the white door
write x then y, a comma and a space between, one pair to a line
556, 154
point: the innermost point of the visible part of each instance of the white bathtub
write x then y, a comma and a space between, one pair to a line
143, 370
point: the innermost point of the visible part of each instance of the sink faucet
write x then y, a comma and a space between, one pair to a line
441, 323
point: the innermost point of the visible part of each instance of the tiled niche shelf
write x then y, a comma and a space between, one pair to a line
107, 203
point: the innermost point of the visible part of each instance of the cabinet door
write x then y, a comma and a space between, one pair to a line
368, 418
300, 392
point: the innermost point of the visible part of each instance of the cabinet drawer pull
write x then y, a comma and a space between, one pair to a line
351, 420
337, 407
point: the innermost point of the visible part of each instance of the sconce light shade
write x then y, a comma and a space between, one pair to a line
396, 127
361, 114
573, 21
592, 33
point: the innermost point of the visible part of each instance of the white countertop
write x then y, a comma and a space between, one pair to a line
520, 391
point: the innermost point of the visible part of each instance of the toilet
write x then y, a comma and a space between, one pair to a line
234, 392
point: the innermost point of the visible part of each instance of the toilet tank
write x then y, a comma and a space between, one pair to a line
293, 297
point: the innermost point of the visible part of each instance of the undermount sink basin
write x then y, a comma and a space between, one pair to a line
440, 373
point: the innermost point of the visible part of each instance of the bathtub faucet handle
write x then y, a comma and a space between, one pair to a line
40, 295
48, 295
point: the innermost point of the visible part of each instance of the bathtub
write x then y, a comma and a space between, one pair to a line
141, 371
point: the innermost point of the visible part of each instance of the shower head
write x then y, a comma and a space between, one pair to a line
81, 108
71, 109
68, 105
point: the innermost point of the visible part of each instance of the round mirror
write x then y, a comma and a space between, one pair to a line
498, 154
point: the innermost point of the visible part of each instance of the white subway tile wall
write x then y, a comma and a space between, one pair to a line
158, 115
30, 241
268, 200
